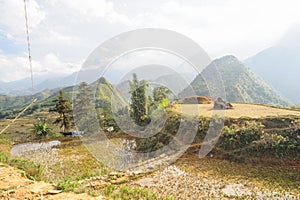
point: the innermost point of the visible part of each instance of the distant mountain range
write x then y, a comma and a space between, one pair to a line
102, 88
240, 83
279, 66
41, 82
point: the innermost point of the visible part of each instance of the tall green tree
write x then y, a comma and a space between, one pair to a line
83, 108
139, 98
64, 110
160, 93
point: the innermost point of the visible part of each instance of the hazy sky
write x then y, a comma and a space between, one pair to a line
64, 32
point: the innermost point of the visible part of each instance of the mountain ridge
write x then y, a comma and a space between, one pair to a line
240, 83
284, 63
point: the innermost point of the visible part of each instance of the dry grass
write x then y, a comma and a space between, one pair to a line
194, 178
239, 110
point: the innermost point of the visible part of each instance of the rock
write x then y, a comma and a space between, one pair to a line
114, 174
121, 180
146, 182
38, 187
54, 191
234, 190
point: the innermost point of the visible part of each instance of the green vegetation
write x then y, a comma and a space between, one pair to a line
139, 101
10, 106
254, 140
83, 108
65, 114
241, 85
31, 170
41, 128
160, 93
105, 92
259, 139
68, 185
235, 137
126, 193
4, 158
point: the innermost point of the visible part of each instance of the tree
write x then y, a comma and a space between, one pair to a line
83, 109
160, 93
65, 114
138, 105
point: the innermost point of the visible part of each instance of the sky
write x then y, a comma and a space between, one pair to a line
64, 32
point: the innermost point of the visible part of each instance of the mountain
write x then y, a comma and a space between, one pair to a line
104, 91
44, 98
41, 82
279, 66
241, 84
22, 87
156, 75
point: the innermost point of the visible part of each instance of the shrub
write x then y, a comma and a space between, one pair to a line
235, 137
68, 185
33, 171
4, 157
126, 192
41, 128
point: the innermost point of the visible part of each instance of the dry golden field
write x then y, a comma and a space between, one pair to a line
239, 110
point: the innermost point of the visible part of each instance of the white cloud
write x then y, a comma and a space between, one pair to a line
12, 15
17, 67
13, 68
49, 36
234, 26
51, 63
71, 29
89, 10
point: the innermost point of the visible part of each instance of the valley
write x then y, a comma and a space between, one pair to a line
255, 154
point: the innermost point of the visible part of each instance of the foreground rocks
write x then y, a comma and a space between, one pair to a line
15, 186
172, 181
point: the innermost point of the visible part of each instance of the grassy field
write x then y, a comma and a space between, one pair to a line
239, 110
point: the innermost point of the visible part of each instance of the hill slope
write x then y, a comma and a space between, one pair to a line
10, 105
241, 85
280, 67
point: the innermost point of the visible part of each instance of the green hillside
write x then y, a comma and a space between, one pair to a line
11, 105
241, 85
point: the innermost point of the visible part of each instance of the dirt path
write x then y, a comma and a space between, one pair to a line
14, 186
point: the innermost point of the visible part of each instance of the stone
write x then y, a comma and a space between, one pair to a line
54, 191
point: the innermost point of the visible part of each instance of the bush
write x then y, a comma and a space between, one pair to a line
126, 192
281, 144
41, 128
4, 157
235, 137
33, 171
68, 185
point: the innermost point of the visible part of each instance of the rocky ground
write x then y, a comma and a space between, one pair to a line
13, 185
172, 181
182, 180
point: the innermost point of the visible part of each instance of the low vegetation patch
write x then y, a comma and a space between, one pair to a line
125, 192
